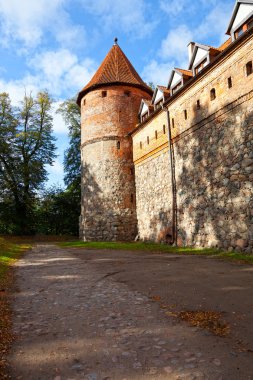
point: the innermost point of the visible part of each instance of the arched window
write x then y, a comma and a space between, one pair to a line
249, 68
212, 94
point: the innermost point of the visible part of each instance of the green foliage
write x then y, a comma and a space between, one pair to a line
58, 211
9, 253
26, 147
71, 114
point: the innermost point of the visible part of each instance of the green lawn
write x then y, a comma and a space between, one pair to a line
161, 248
9, 253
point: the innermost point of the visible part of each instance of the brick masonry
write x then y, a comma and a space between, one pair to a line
108, 185
213, 151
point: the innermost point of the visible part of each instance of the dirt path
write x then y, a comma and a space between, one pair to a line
89, 316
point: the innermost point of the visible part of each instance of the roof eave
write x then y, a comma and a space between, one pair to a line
101, 85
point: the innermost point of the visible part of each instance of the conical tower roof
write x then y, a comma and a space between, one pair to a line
115, 69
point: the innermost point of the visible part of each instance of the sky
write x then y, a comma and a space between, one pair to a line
58, 45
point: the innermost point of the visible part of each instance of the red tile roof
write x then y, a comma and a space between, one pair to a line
164, 90
225, 44
115, 69
188, 73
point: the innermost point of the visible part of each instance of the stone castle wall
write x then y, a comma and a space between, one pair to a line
108, 209
213, 160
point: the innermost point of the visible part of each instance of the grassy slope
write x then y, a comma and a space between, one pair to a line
162, 248
9, 253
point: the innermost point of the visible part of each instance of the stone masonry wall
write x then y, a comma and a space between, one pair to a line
108, 210
214, 178
153, 198
213, 160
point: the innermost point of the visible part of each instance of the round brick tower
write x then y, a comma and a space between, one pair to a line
109, 111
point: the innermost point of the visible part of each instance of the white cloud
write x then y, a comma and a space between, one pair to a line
173, 7
174, 46
59, 124
215, 24
131, 16
60, 71
27, 21
156, 72
173, 51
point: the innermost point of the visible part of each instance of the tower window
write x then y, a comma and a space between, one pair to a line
104, 94
132, 198
212, 94
148, 140
127, 93
164, 129
118, 144
156, 135
198, 105
140, 145
185, 114
173, 123
249, 68
132, 171
84, 102
230, 84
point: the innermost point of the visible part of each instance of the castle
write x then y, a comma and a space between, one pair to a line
174, 165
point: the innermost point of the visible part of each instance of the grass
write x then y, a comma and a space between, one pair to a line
160, 248
9, 253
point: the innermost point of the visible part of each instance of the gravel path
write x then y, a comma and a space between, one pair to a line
72, 323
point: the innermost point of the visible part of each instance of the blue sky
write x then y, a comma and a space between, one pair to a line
58, 44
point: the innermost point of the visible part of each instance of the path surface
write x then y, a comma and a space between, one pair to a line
88, 315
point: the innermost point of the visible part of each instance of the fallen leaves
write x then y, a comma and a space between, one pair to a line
209, 320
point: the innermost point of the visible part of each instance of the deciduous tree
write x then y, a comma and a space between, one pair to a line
26, 147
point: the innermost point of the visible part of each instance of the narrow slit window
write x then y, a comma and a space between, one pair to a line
156, 135
118, 144
212, 94
164, 129
185, 114
198, 104
132, 171
84, 102
148, 140
132, 198
104, 94
140, 145
249, 68
230, 84
173, 123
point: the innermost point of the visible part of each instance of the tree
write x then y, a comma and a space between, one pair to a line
71, 114
58, 212
26, 147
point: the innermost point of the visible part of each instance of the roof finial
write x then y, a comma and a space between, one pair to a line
115, 41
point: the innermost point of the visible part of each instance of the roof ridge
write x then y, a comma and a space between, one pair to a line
115, 69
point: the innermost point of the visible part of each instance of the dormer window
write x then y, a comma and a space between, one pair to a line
144, 117
176, 88
200, 66
159, 104
242, 19
239, 32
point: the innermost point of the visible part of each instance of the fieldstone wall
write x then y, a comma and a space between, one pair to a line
108, 191
153, 198
213, 159
214, 178
108, 209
